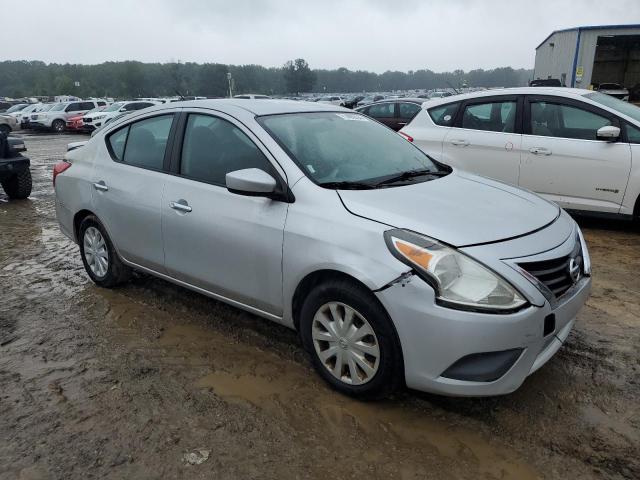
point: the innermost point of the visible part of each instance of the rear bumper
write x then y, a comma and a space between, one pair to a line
434, 338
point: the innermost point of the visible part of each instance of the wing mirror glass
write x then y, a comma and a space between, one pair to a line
252, 182
608, 133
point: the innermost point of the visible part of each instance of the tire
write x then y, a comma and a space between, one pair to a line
6, 129
58, 126
18, 186
114, 272
385, 375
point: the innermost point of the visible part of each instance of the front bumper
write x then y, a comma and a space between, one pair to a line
433, 338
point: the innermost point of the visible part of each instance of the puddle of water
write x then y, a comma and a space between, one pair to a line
238, 388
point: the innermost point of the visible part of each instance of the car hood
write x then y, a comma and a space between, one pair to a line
460, 209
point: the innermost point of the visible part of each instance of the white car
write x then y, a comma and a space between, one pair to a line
24, 115
95, 120
615, 90
16, 110
56, 118
578, 148
332, 100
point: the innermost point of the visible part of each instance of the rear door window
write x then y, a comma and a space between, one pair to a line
117, 141
408, 110
382, 110
633, 133
142, 143
490, 116
444, 115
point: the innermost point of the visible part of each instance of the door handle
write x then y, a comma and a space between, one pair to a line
101, 186
460, 143
402, 123
181, 206
540, 151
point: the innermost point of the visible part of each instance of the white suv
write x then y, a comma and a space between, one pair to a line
578, 148
56, 118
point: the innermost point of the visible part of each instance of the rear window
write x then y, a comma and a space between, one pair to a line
443, 115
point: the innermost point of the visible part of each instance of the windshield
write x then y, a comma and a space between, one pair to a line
345, 147
16, 108
46, 108
623, 107
113, 107
58, 107
94, 110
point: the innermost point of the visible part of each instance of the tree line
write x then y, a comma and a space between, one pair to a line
130, 79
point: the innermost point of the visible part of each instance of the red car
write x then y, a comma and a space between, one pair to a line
76, 123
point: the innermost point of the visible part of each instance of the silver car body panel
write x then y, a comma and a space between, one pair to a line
257, 251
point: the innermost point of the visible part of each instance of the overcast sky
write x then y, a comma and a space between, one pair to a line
375, 35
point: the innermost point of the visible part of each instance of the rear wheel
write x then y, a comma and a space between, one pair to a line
18, 186
6, 129
58, 126
351, 340
100, 259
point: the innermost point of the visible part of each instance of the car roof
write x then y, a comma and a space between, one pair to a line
256, 107
558, 91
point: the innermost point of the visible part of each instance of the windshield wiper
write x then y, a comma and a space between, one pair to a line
408, 175
345, 185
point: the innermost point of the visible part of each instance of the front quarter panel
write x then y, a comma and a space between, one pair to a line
330, 238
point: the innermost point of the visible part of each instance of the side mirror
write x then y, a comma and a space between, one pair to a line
608, 133
123, 109
252, 182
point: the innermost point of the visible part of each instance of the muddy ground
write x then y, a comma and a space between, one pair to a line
123, 383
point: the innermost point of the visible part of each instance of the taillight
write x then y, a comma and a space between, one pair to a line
59, 168
408, 137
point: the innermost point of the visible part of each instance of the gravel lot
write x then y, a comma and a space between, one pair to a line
125, 383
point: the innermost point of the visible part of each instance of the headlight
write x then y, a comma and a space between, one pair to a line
459, 281
98, 117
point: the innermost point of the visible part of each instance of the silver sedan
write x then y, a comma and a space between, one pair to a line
394, 268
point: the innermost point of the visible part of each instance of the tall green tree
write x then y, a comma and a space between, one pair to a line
298, 76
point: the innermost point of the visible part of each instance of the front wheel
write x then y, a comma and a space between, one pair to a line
6, 129
58, 126
100, 259
351, 340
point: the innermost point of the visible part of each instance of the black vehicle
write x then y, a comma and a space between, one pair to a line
15, 176
394, 113
546, 82
353, 101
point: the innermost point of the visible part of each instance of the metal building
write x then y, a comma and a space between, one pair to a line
585, 57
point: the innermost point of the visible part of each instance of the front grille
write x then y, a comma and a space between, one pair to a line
555, 274
86, 120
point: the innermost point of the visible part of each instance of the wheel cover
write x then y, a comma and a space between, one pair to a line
345, 343
95, 252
